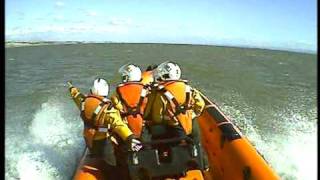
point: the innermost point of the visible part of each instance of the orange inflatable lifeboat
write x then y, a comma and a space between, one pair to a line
230, 155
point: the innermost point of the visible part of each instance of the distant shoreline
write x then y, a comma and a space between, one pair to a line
14, 44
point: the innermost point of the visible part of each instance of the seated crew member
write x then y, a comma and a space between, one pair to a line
101, 119
130, 97
173, 104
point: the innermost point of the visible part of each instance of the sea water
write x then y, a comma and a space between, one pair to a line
270, 95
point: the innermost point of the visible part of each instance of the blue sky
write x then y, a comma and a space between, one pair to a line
277, 24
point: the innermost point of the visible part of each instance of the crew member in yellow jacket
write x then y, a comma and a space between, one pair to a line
130, 98
101, 119
172, 104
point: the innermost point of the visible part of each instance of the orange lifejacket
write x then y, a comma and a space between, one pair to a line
91, 111
134, 100
178, 95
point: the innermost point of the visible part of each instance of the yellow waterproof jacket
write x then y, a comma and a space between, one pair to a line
106, 120
164, 100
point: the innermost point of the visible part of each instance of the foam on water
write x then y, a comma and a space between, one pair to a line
51, 146
49, 127
46, 144
293, 153
34, 165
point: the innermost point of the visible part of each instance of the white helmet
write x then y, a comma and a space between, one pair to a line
100, 87
168, 71
130, 72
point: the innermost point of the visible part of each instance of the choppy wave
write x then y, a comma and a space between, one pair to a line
292, 150
44, 141
49, 149
294, 154
52, 144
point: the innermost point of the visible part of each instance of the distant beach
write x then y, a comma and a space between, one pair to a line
11, 44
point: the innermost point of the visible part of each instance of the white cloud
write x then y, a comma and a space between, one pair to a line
40, 19
120, 21
71, 28
59, 3
17, 31
58, 17
88, 12
91, 13
94, 28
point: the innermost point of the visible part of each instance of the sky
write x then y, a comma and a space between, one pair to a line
273, 24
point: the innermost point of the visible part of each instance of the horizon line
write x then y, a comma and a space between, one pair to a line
294, 50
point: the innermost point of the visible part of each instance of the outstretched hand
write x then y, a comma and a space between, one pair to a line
73, 91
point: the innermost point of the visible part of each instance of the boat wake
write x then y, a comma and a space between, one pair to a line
294, 153
49, 148
290, 147
51, 145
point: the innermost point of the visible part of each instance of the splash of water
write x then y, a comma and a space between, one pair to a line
35, 166
50, 126
51, 146
293, 154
